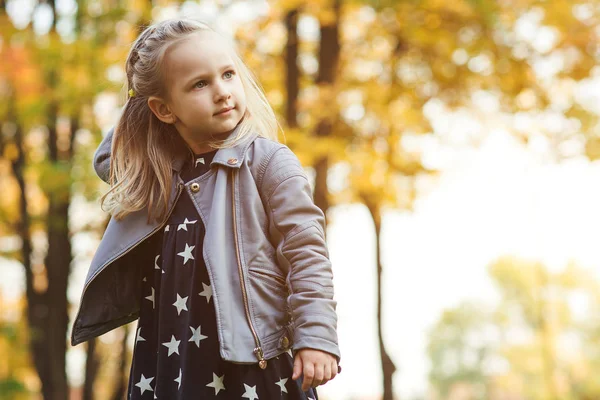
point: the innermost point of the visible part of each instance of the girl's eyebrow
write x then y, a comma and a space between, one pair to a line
201, 76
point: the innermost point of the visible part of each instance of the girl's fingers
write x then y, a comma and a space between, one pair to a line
334, 369
326, 373
309, 375
319, 374
297, 367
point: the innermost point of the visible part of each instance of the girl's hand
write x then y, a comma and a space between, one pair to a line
318, 366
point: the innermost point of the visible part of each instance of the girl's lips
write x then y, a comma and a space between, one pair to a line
226, 112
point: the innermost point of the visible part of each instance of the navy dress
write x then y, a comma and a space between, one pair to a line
176, 353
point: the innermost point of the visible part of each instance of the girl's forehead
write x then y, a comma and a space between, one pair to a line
198, 53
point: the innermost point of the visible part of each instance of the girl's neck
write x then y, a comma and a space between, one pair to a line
203, 152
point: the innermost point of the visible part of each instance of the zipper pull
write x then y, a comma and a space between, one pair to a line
262, 363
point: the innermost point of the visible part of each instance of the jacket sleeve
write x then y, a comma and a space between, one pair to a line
102, 157
297, 229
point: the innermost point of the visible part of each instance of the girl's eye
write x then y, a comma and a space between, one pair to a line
232, 72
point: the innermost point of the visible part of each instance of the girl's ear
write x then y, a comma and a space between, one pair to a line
161, 110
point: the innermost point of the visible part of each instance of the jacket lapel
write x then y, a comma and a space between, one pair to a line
232, 157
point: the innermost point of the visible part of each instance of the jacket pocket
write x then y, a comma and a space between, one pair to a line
270, 278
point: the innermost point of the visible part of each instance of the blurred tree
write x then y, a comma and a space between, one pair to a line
292, 72
540, 305
536, 343
120, 390
15, 365
66, 69
92, 365
460, 351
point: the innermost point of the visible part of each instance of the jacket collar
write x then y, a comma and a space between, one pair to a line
231, 157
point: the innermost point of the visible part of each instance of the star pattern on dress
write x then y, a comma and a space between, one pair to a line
184, 224
156, 263
199, 160
180, 303
173, 346
207, 292
187, 253
178, 379
289, 351
167, 228
151, 297
217, 383
250, 392
196, 336
281, 384
139, 337
144, 384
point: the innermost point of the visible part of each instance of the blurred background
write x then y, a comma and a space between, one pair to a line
452, 145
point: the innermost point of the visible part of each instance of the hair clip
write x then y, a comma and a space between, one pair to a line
131, 93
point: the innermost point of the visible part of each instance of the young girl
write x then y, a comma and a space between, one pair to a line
214, 241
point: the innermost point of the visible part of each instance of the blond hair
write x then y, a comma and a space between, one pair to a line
143, 147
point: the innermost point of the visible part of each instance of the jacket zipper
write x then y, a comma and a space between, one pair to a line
179, 190
262, 363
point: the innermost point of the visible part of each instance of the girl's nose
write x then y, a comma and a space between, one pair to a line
222, 91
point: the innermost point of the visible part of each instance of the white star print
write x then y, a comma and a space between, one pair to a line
184, 224
310, 398
217, 383
281, 384
178, 379
139, 337
197, 336
289, 351
250, 392
144, 384
187, 253
156, 262
207, 292
180, 304
201, 161
151, 298
167, 228
173, 345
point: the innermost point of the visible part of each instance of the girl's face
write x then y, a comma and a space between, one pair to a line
202, 81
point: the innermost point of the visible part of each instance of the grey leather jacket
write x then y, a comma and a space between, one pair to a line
264, 249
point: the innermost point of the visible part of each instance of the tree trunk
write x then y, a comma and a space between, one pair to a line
51, 322
91, 370
292, 72
58, 266
120, 391
46, 308
329, 49
387, 365
544, 326
35, 301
